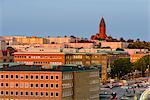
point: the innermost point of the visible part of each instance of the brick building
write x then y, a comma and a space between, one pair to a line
39, 58
33, 82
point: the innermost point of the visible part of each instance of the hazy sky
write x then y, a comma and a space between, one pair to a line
124, 18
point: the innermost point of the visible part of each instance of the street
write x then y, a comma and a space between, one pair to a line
127, 92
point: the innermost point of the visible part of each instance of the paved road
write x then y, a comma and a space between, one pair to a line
122, 92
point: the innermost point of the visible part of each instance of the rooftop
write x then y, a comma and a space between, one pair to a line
98, 52
60, 68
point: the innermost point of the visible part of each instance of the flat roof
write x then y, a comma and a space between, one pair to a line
60, 68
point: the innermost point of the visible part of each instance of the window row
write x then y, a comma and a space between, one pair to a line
67, 76
42, 77
26, 93
51, 57
27, 85
31, 62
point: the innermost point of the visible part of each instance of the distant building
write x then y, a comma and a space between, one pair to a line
5, 54
63, 83
114, 45
135, 51
31, 40
137, 56
39, 58
102, 31
80, 45
60, 40
73, 56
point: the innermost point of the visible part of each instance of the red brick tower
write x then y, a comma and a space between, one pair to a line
102, 29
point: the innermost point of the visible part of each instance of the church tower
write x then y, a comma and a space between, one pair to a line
102, 29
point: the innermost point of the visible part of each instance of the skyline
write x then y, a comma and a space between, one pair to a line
127, 19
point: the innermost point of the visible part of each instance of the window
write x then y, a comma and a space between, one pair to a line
36, 76
16, 93
6, 92
56, 94
2, 84
42, 77
27, 93
56, 86
36, 85
11, 76
16, 84
57, 77
46, 93
31, 77
52, 94
47, 77
52, 85
31, 93
42, 94
2, 76
11, 85
21, 93
2, 92
52, 77
6, 84
6, 76
42, 85
21, 85
47, 85
36, 93
31, 85
11, 93
21, 76
27, 77
16, 76
26, 85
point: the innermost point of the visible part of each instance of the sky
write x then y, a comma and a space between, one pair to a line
123, 18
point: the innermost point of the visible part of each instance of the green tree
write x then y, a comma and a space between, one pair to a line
119, 49
121, 67
142, 64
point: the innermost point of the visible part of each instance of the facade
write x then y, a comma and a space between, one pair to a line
135, 57
30, 40
102, 60
60, 40
79, 45
102, 31
134, 51
5, 54
46, 59
39, 58
33, 82
114, 45
89, 80
89, 59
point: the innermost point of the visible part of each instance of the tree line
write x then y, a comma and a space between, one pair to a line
123, 67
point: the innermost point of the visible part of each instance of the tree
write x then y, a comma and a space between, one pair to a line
121, 67
130, 40
11, 50
142, 64
121, 39
119, 49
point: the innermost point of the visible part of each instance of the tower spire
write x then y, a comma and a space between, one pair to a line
102, 29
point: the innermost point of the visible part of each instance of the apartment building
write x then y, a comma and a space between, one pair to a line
24, 82
5, 52
137, 56
46, 59
60, 40
103, 60
114, 45
89, 59
39, 58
